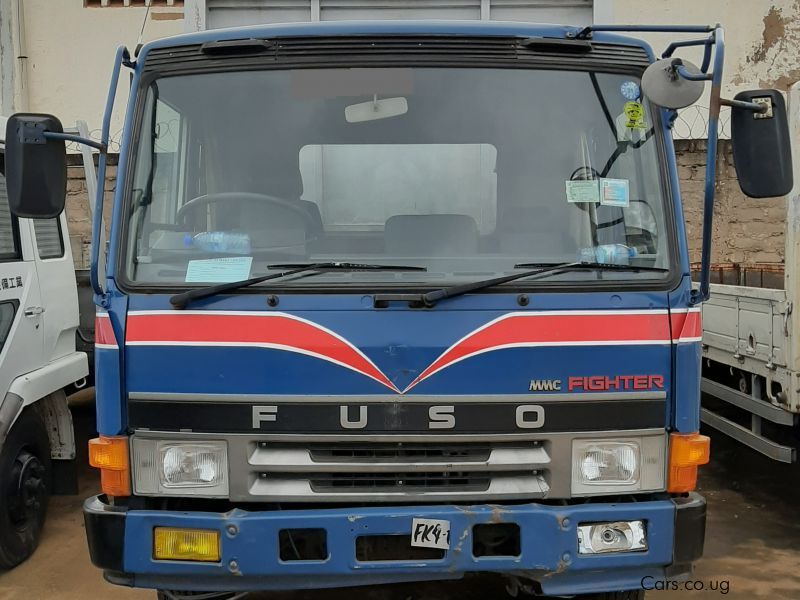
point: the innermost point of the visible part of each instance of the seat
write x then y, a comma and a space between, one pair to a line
431, 235
534, 232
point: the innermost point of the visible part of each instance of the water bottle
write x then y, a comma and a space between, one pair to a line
219, 241
610, 254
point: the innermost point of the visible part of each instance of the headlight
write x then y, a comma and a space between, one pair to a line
613, 466
180, 468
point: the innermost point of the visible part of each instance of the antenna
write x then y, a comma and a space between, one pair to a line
147, 3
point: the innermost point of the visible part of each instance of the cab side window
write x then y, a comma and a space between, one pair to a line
49, 242
9, 227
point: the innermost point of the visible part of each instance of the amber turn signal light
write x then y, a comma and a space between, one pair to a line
110, 455
687, 451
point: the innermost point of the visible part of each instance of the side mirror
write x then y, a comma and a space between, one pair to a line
762, 151
36, 167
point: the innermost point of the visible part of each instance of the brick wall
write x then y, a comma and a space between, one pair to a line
746, 230
78, 216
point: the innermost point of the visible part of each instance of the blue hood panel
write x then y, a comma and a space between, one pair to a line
360, 350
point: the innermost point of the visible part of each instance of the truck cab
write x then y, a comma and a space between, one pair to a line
38, 360
397, 301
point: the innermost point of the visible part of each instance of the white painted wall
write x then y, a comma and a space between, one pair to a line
70, 48
762, 44
762, 36
70, 52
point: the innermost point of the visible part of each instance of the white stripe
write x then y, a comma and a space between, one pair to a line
106, 346
538, 313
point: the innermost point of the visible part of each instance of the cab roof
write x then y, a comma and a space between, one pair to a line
389, 28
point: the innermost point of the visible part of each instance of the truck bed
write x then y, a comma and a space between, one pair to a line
757, 275
746, 349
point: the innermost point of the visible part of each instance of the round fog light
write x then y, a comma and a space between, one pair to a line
619, 536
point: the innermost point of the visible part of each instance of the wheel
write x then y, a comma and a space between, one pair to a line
627, 595
25, 480
173, 595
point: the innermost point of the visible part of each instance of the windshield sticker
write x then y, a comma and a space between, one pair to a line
630, 90
583, 191
615, 192
219, 270
634, 115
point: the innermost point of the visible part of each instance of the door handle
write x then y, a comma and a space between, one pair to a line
33, 311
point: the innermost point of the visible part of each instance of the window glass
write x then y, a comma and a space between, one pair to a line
7, 312
462, 172
48, 237
361, 186
9, 242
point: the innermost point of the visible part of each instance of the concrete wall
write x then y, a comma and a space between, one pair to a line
762, 36
70, 47
70, 50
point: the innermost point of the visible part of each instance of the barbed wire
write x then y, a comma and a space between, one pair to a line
114, 141
692, 123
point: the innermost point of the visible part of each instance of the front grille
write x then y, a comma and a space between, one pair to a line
400, 452
368, 50
367, 482
374, 472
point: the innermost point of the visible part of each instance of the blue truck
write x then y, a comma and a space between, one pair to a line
400, 301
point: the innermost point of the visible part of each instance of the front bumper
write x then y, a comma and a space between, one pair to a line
120, 542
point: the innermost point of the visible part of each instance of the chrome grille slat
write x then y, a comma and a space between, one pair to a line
370, 482
302, 460
376, 471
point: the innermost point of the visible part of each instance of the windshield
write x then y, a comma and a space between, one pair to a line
465, 172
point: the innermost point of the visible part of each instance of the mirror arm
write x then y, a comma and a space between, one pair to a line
68, 137
701, 294
751, 106
684, 73
707, 42
121, 58
707, 55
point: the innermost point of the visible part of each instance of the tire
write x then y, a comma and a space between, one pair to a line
25, 473
627, 595
171, 595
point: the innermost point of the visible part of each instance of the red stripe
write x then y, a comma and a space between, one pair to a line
693, 327
103, 332
555, 329
271, 330
686, 325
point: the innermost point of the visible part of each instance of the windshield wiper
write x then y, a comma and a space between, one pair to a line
596, 266
431, 298
181, 300
348, 266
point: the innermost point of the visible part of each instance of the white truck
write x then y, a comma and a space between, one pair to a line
38, 362
751, 340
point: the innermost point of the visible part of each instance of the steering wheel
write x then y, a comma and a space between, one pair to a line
241, 198
584, 174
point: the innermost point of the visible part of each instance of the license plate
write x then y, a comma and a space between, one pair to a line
430, 533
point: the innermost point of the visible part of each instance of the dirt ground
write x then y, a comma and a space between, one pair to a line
752, 543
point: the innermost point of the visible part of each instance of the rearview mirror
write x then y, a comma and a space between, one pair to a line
36, 167
375, 109
762, 152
